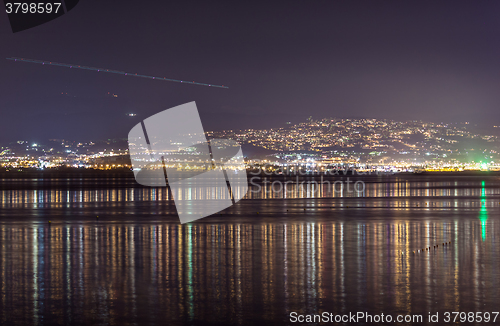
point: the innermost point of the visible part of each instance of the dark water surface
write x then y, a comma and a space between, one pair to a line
307, 250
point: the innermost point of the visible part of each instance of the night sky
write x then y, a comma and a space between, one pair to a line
282, 61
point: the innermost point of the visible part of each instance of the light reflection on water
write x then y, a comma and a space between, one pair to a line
40, 191
300, 254
236, 273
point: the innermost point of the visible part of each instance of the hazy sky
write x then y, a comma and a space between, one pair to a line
281, 60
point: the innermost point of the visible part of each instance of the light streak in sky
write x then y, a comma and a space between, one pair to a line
67, 65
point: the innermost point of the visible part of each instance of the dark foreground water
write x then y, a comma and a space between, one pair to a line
306, 251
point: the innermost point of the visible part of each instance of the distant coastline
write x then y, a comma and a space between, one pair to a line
65, 173
127, 173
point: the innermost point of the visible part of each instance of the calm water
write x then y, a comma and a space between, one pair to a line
309, 250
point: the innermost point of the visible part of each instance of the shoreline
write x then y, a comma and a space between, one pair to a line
75, 172
126, 173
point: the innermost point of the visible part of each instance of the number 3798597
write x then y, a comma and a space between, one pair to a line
32, 8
